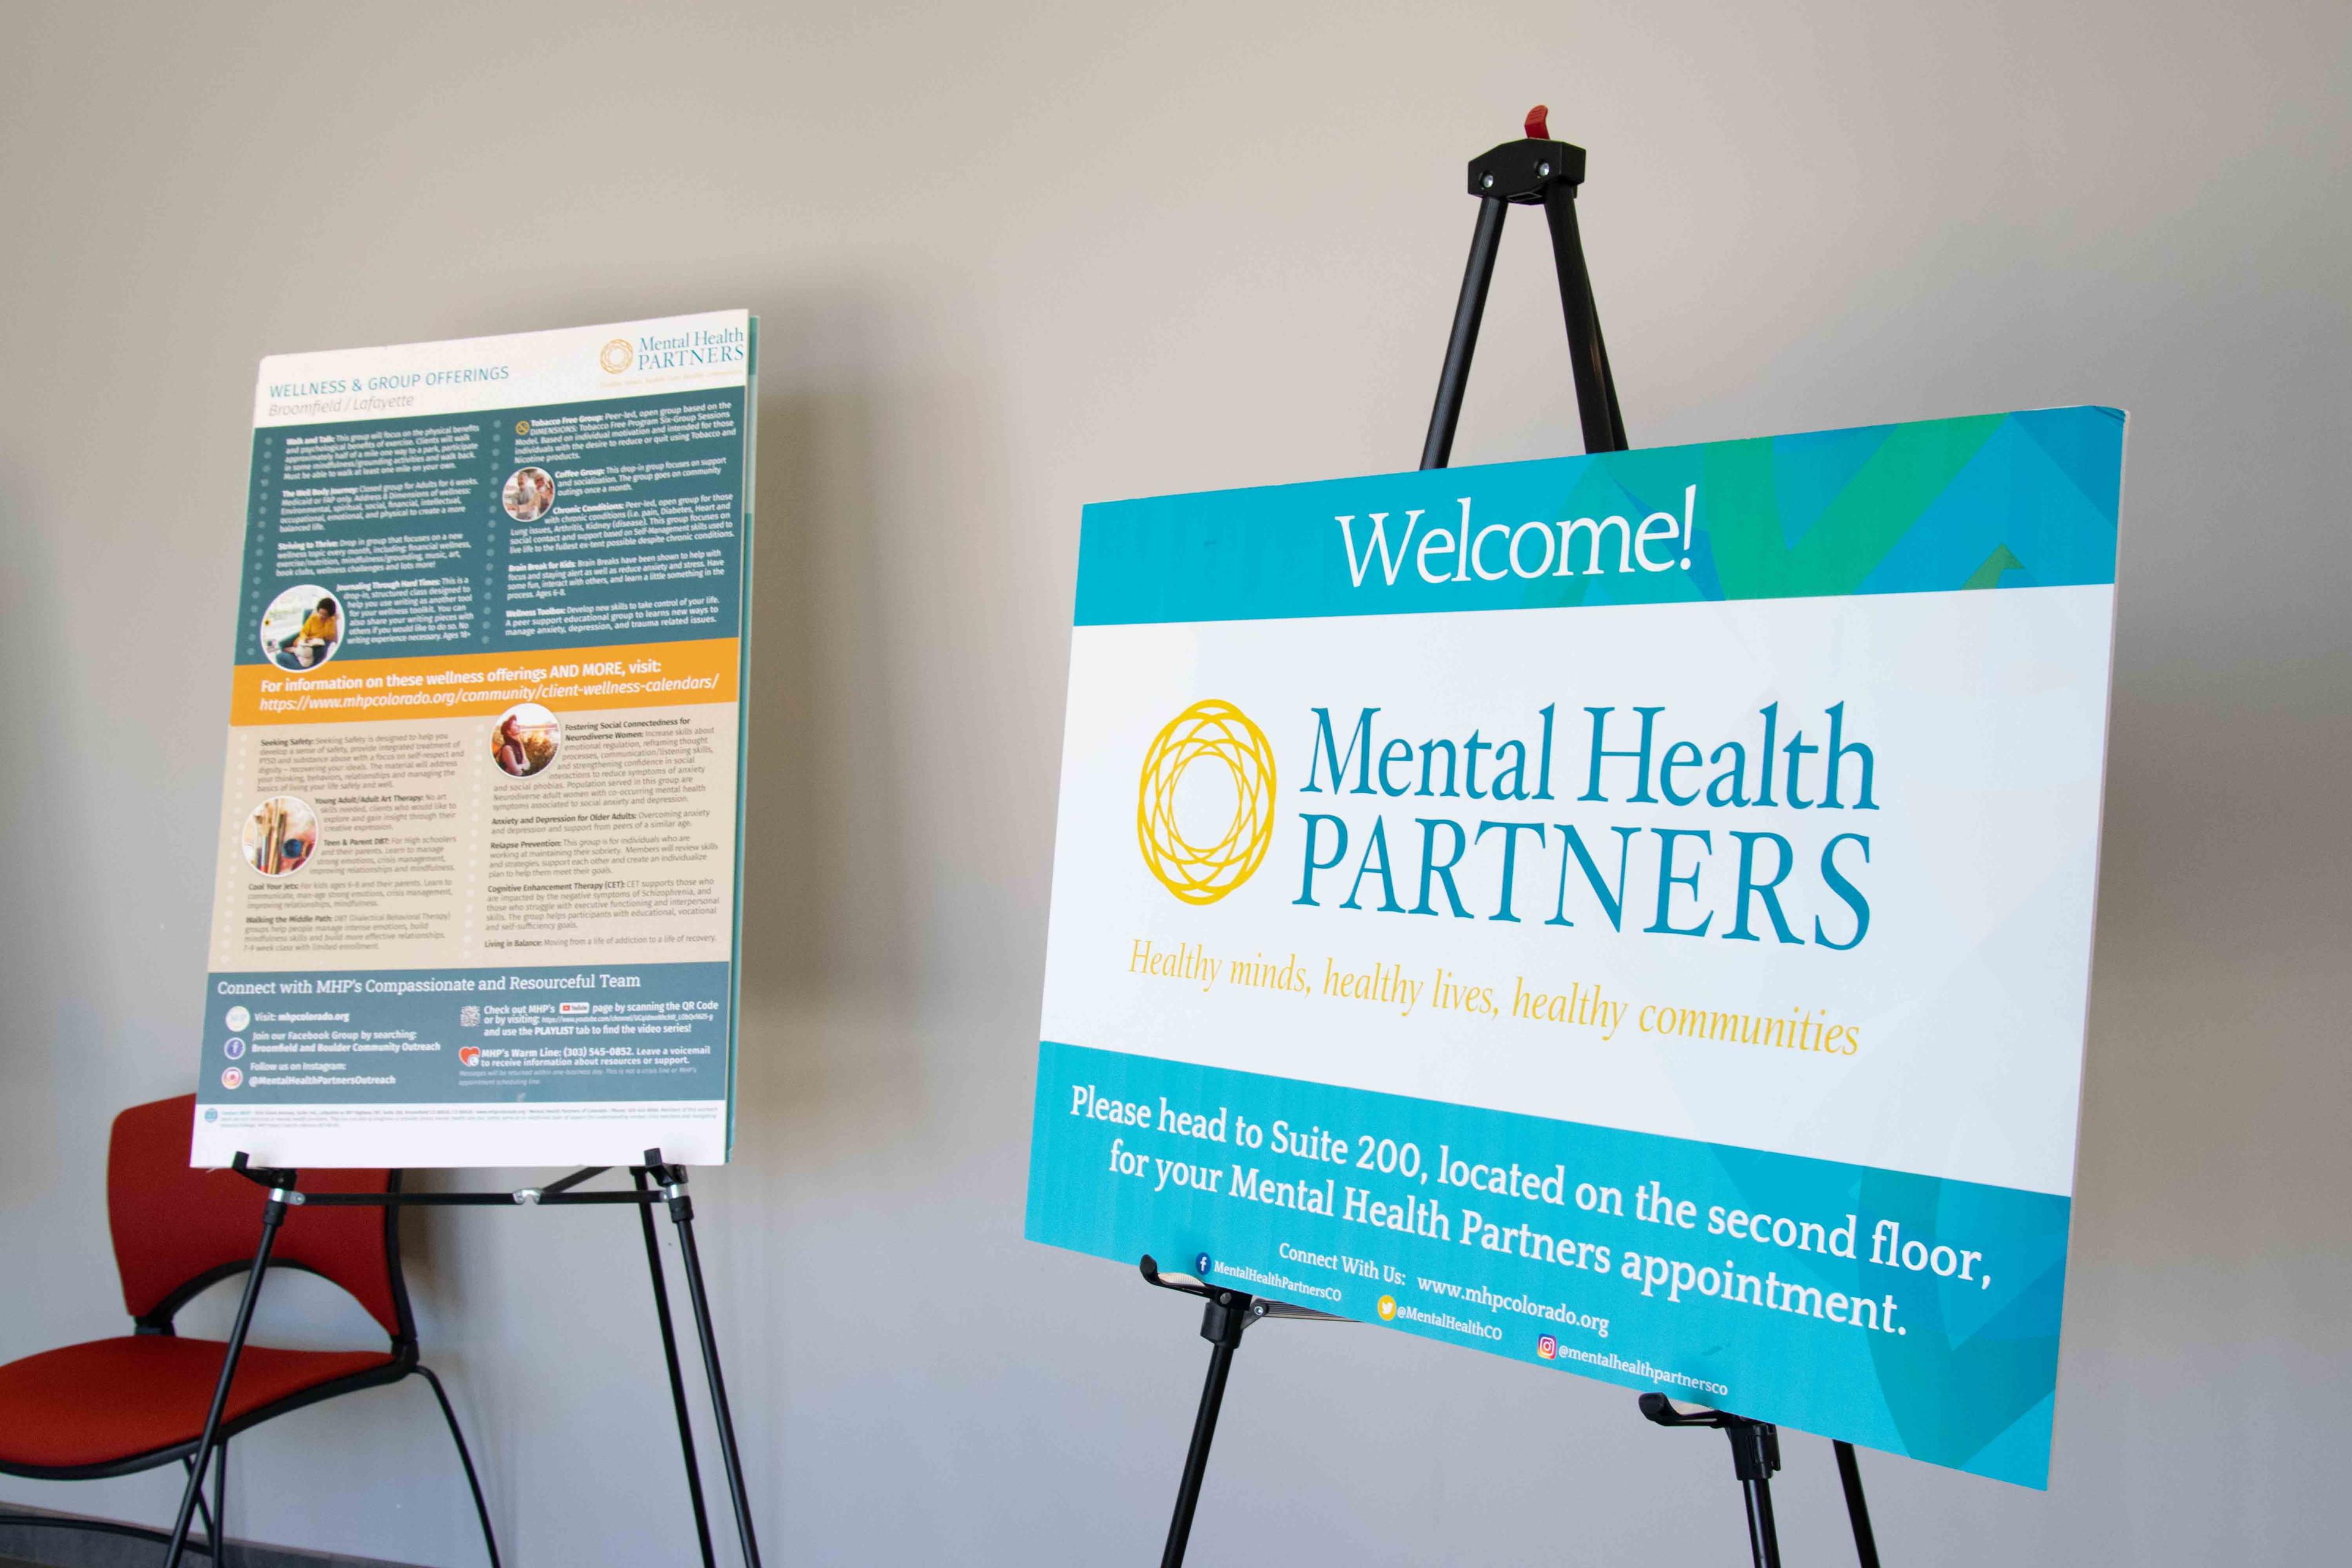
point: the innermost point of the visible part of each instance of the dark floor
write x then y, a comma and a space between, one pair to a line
81, 1548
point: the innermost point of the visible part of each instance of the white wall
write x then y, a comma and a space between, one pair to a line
1008, 263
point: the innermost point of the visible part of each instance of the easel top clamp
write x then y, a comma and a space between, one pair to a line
1535, 172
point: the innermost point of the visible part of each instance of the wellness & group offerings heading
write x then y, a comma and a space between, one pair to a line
1630, 913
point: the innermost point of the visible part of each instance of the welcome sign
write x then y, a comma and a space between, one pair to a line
1630, 913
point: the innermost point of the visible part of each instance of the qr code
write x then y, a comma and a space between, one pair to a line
469, 1018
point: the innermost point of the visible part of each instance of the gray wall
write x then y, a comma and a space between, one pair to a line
1008, 263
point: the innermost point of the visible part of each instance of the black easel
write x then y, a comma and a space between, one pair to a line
1534, 171
1222, 1318
654, 1182
1755, 1454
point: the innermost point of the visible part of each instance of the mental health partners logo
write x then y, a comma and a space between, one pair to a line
616, 356
1202, 872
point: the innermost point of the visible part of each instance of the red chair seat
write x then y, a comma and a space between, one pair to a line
109, 1400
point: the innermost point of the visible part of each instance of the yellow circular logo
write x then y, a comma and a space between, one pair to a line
1213, 731
1387, 1308
616, 356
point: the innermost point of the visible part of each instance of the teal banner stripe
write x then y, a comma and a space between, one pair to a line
396, 1037
2004, 501
1954, 1361
486, 558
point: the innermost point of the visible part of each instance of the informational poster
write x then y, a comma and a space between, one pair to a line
1628, 913
475, 884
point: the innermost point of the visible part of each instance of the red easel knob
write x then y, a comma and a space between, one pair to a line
1538, 131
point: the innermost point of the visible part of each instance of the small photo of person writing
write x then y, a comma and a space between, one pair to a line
524, 740
302, 628
281, 835
529, 493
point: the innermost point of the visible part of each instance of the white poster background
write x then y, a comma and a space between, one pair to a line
1985, 711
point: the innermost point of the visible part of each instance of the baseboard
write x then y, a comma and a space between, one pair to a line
54, 1546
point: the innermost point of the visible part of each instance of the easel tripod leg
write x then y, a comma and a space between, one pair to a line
1596, 387
676, 1377
1437, 448
1857, 1507
273, 1215
1224, 1315
1196, 1458
1755, 1454
681, 1214
1763, 1538
464, 1460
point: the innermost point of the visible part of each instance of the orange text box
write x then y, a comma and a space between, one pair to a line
458, 686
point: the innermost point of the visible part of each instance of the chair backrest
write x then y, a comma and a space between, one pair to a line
177, 1229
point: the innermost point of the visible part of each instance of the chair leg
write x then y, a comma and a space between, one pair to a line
220, 1505
482, 1509
205, 1511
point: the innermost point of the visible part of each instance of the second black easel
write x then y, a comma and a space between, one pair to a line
654, 1182
1533, 172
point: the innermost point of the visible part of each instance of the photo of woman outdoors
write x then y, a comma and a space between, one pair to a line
528, 494
302, 628
281, 835
524, 740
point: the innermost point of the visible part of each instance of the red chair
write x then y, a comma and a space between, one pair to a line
109, 1408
